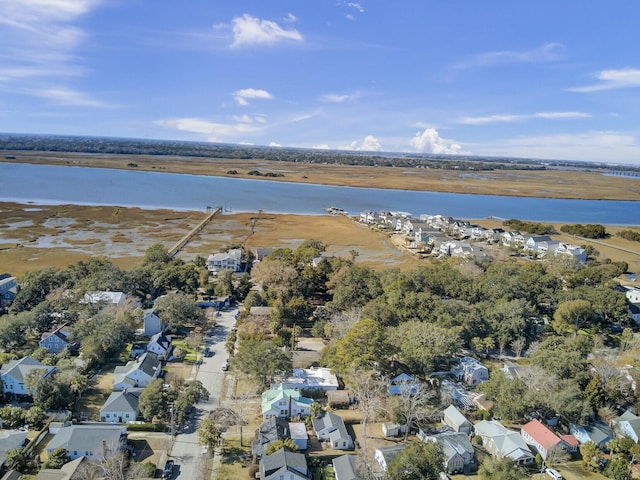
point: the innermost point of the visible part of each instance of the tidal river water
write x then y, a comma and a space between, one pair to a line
48, 184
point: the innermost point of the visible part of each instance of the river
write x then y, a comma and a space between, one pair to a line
48, 184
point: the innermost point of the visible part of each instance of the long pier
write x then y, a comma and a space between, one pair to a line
173, 251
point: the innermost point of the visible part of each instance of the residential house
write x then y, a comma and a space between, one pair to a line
8, 289
385, 455
532, 242
628, 425
458, 452
598, 432
540, 437
314, 378
344, 467
114, 299
10, 440
71, 471
230, 260
456, 420
573, 251
56, 340
283, 465
137, 373
330, 427
271, 429
402, 384
298, 433
283, 402
152, 324
14, 372
121, 406
470, 371
502, 442
160, 344
546, 247
96, 442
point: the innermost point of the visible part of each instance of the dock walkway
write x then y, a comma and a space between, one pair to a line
173, 251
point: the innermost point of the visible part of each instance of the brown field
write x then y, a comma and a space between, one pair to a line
548, 183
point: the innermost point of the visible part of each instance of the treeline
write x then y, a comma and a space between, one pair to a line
587, 231
629, 235
530, 227
247, 152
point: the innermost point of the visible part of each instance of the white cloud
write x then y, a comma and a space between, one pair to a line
369, 144
216, 131
508, 118
249, 118
600, 146
274, 144
429, 141
548, 52
322, 146
67, 97
248, 30
242, 96
339, 98
612, 79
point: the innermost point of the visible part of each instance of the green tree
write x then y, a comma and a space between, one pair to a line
209, 434
595, 393
57, 459
354, 286
618, 469
178, 310
276, 445
503, 469
424, 346
12, 417
15, 459
591, 455
417, 461
153, 401
571, 315
35, 417
261, 359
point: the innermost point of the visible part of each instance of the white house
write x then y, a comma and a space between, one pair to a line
573, 251
96, 442
544, 440
160, 344
283, 402
283, 462
14, 372
502, 442
330, 427
385, 455
314, 378
456, 420
137, 373
627, 425
344, 467
457, 449
121, 407
231, 260
598, 432
152, 323
470, 371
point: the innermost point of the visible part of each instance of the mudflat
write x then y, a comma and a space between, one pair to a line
588, 185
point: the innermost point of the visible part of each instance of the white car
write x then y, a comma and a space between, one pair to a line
553, 473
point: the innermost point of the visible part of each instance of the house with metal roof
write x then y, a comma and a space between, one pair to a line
283, 402
284, 464
628, 425
543, 439
330, 427
457, 450
598, 432
502, 442
56, 340
95, 441
14, 372
121, 406
137, 373
344, 467
456, 420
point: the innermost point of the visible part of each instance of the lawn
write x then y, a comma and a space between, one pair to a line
235, 460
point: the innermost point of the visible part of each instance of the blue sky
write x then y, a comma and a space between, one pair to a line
544, 79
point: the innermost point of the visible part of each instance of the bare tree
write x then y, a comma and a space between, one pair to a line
518, 345
413, 404
341, 322
557, 456
369, 390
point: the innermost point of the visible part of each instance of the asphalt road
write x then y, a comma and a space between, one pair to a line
191, 462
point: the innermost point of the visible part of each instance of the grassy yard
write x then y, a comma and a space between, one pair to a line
235, 460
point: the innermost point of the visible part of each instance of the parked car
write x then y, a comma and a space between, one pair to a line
553, 473
168, 469
225, 366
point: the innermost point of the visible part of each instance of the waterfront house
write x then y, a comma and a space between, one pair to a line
532, 242
14, 372
8, 289
230, 260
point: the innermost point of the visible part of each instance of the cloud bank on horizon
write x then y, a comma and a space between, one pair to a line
366, 76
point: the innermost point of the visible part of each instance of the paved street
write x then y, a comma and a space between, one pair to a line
190, 463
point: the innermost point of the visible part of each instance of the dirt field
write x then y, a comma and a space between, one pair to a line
550, 184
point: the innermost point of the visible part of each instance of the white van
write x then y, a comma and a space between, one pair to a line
553, 473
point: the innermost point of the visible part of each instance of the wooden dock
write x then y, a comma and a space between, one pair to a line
173, 251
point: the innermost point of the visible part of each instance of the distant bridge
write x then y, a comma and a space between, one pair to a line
211, 212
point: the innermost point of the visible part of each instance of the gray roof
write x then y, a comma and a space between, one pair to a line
272, 429
125, 400
148, 363
328, 420
344, 467
283, 458
10, 439
457, 418
66, 472
86, 438
18, 369
454, 444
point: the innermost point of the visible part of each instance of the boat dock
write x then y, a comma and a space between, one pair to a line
211, 212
